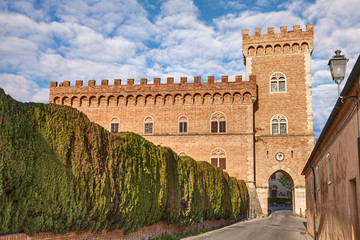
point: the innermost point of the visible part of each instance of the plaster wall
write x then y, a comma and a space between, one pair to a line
333, 211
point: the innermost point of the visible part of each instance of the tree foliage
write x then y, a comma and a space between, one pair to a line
285, 181
59, 172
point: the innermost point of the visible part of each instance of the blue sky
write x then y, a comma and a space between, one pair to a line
51, 40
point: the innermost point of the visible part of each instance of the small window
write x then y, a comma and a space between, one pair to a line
114, 127
277, 83
182, 154
115, 124
218, 158
274, 127
273, 176
278, 124
328, 166
273, 193
312, 183
218, 123
183, 124
274, 85
317, 178
149, 125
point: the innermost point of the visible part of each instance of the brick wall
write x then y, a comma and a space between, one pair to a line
144, 233
19, 236
287, 54
166, 103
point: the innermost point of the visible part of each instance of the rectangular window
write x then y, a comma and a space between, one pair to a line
273, 86
312, 183
148, 128
114, 127
275, 129
214, 127
282, 128
222, 126
281, 86
222, 163
273, 193
214, 162
317, 178
329, 168
182, 127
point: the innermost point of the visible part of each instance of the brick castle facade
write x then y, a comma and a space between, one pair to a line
250, 127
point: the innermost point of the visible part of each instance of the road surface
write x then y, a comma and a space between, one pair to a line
281, 225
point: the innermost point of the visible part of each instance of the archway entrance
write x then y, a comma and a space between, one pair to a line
281, 194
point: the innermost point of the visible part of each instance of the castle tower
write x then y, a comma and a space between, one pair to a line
283, 118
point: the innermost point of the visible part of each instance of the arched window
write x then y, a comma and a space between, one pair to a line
278, 124
148, 125
277, 82
218, 158
115, 124
218, 122
182, 154
183, 124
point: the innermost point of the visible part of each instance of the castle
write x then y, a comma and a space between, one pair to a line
251, 128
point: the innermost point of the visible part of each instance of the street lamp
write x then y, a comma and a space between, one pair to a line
338, 67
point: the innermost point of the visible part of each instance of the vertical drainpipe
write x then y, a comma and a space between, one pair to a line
315, 206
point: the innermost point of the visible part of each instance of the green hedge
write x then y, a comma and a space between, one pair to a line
59, 172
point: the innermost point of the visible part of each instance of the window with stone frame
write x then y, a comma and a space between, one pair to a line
149, 125
279, 124
218, 158
277, 83
328, 167
218, 122
115, 124
183, 124
317, 178
273, 192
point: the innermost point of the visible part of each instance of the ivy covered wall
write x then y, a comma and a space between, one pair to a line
59, 172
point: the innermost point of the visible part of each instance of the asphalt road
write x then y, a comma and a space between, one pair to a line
281, 225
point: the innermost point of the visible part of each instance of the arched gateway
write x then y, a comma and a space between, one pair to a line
295, 195
263, 123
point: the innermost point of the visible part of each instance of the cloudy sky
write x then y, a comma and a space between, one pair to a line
51, 40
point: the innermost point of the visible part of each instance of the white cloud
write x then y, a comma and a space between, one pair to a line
78, 39
23, 89
324, 99
17, 54
251, 20
233, 5
88, 44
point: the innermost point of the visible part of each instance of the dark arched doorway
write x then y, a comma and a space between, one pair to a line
280, 196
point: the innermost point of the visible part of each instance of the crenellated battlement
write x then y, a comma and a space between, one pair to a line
285, 42
66, 94
284, 34
156, 82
